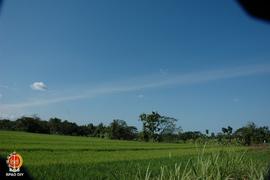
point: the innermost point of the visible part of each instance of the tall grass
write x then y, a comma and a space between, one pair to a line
222, 165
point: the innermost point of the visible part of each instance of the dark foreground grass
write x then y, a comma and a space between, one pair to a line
68, 157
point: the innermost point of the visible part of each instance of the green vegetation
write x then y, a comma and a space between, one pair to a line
119, 151
218, 166
72, 157
155, 128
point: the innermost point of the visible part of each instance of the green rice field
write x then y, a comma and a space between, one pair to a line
70, 157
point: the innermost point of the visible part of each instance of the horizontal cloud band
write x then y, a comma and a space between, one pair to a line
181, 79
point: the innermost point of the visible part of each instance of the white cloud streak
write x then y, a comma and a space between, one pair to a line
39, 86
180, 79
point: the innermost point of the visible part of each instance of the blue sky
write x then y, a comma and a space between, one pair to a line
206, 64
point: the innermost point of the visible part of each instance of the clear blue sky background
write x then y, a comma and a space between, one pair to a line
205, 63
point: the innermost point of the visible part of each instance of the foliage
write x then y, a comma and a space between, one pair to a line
251, 134
120, 130
117, 130
155, 126
190, 135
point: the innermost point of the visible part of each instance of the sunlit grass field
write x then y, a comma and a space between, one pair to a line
70, 157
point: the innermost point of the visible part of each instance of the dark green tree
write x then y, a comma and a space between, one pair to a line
155, 125
119, 129
251, 134
55, 125
32, 124
229, 130
224, 130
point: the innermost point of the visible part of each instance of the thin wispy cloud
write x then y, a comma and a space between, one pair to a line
179, 79
39, 86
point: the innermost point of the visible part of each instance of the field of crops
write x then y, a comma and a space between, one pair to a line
69, 157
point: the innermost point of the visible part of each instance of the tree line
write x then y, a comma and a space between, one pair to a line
155, 128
